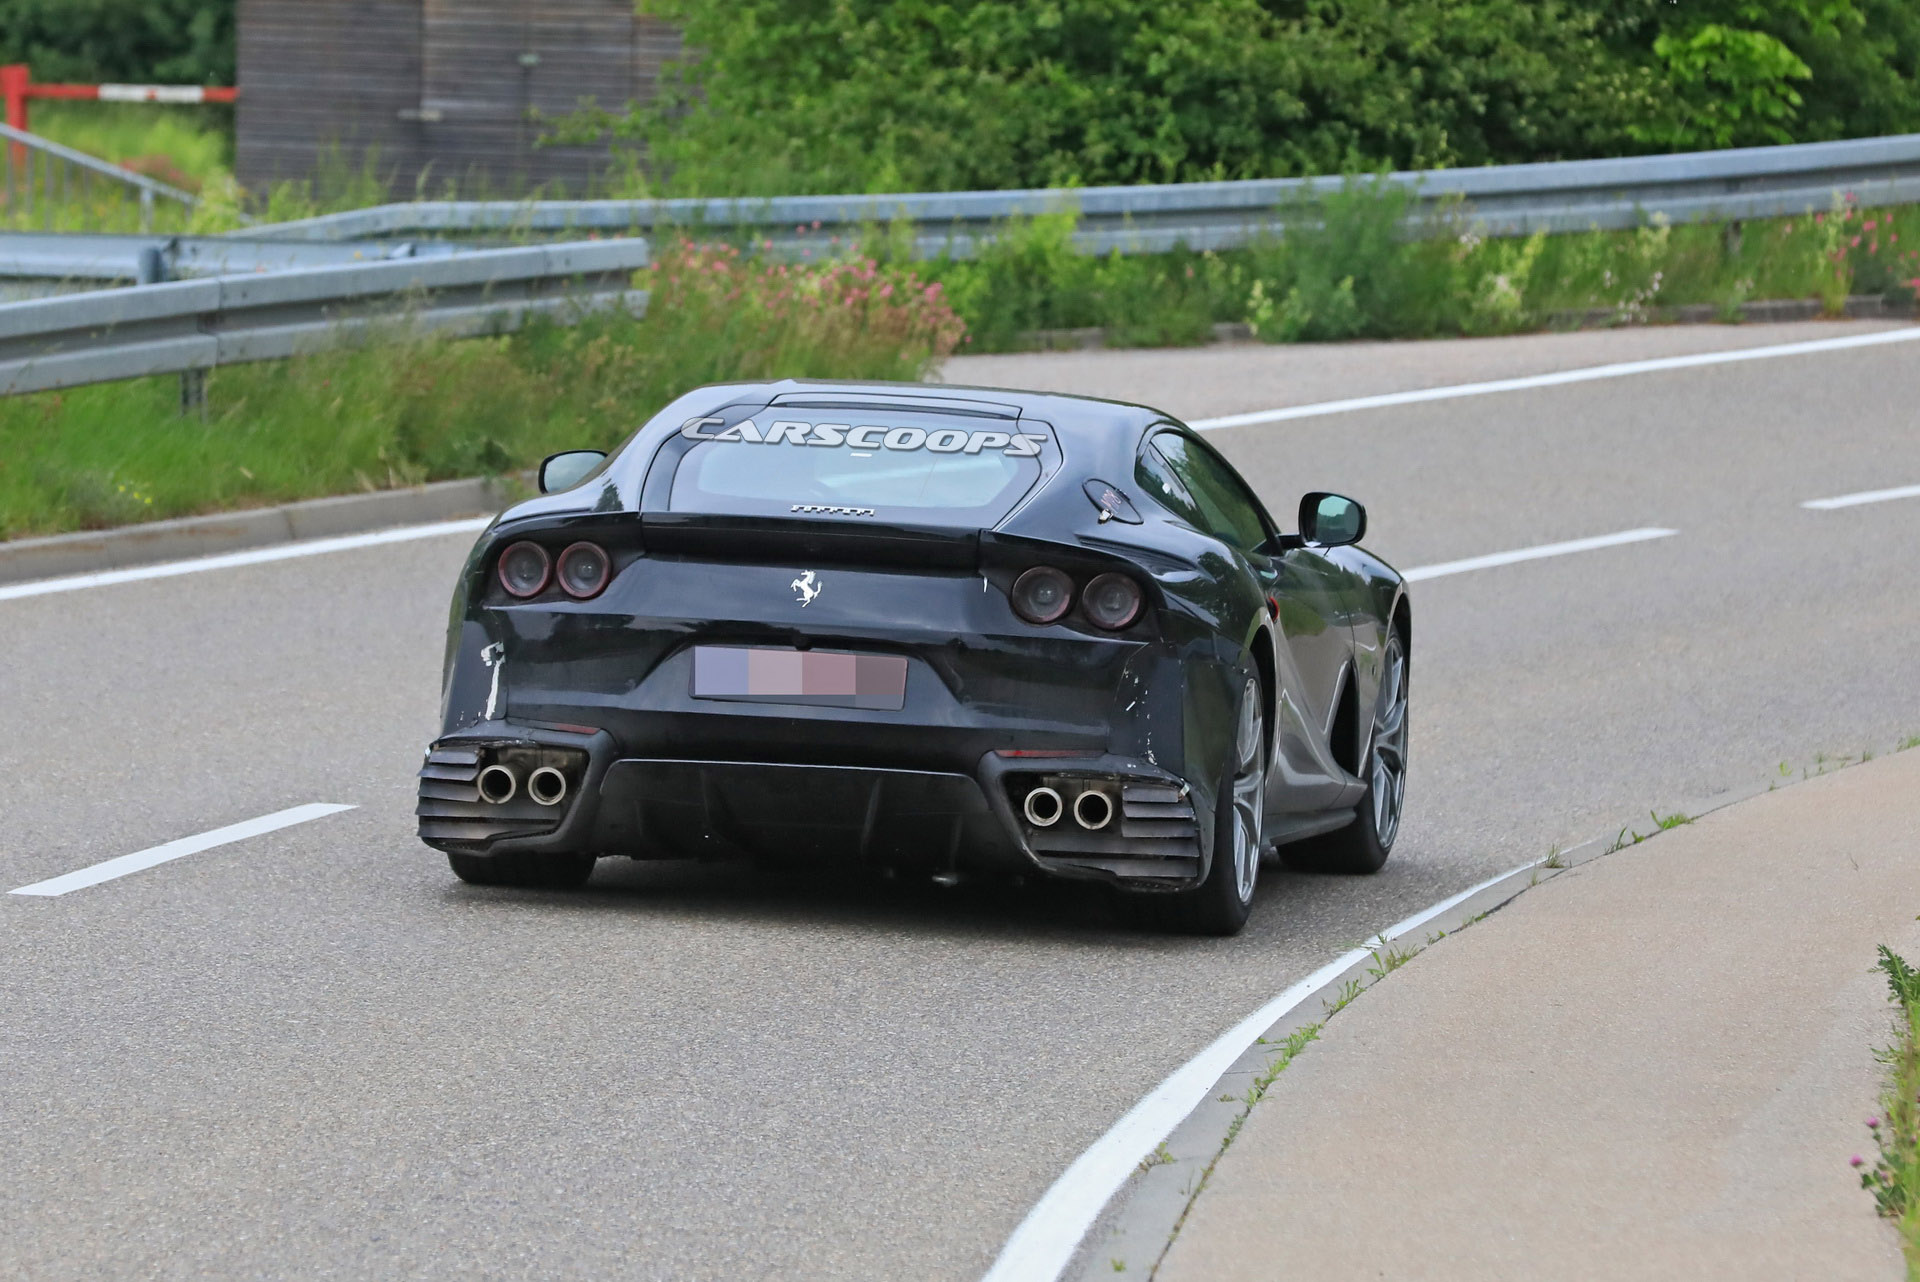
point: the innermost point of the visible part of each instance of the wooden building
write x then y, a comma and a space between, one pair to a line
440, 91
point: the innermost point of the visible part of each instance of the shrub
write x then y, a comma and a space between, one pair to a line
791, 96
795, 96
143, 41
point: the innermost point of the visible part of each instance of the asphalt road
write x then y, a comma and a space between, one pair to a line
314, 1053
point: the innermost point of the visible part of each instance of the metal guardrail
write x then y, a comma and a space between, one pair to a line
189, 327
1512, 200
29, 160
147, 260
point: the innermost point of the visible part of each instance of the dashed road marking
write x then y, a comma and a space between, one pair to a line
257, 556
141, 860
1562, 378
1540, 553
1868, 496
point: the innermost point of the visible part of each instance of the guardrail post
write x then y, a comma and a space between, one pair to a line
193, 393
146, 209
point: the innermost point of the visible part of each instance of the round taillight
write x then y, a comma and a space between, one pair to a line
1112, 601
525, 569
583, 570
1042, 595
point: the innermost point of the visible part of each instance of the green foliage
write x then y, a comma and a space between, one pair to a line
792, 96
401, 409
184, 146
142, 41
1345, 269
1903, 981
1744, 72
869, 95
1893, 1178
1730, 87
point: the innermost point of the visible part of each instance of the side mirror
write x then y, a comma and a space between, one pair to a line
1331, 520
564, 471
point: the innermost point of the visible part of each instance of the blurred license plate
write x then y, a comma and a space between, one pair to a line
823, 678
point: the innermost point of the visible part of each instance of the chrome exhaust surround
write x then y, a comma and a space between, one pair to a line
1093, 809
498, 784
1044, 807
547, 786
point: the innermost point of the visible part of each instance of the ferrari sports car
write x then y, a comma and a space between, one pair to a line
943, 630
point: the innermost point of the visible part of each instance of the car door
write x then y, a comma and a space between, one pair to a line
1299, 584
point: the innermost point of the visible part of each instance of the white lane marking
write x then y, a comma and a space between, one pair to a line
257, 556
141, 860
1540, 553
1044, 1243
1590, 374
1869, 496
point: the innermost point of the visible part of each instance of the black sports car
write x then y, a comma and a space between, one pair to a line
939, 628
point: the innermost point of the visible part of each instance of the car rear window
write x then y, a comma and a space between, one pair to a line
940, 469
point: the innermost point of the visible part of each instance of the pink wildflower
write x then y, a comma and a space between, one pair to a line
1856, 1161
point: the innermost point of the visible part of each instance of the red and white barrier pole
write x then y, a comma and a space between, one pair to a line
17, 87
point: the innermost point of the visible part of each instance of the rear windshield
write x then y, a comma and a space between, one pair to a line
941, 469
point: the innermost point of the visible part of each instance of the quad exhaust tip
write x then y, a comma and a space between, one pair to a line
1044, 807
1093, 809
498, 784
547, 786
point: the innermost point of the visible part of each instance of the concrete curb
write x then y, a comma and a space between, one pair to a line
90, 552
1141, 1221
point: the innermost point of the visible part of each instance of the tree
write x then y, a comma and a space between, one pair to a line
142, 41
834, 95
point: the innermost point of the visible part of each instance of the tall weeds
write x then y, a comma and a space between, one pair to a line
400, 408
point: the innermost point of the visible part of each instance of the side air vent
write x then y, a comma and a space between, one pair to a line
1153, 837
471, 794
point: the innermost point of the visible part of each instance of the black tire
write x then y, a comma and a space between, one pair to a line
532, 872
1362, 846
1220, 904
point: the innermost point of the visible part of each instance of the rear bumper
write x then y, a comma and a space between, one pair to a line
940, 820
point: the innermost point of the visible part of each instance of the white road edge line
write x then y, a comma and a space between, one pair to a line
141, 860
1562, 378
1044, 1243
1053, 1231
1540, 553
1869, 496
257, 556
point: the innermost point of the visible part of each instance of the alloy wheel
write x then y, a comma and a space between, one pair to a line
1249, 792
1390, 746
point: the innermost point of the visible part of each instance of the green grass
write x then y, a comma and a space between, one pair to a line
1344, 270
184, 146
406, 409
188, 147
1894, 1177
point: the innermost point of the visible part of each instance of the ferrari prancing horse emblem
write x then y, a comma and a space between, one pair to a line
808, 587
